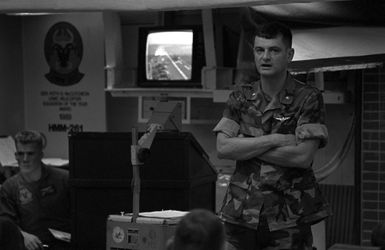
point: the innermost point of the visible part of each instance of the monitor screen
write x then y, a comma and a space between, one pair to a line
170, 57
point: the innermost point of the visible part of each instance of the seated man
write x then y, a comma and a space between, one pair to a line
37, 198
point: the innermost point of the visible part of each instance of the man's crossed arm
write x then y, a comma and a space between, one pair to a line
281, 149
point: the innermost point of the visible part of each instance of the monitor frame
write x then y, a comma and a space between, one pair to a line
198, 58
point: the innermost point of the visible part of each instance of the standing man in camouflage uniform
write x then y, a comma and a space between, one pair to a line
272, 128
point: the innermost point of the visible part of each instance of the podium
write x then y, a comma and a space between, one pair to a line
177, 176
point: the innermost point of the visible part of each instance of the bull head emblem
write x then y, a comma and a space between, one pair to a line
63, 51
63, 45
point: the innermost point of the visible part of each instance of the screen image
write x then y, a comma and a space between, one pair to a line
169, 55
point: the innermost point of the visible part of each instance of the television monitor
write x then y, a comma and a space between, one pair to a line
170, 56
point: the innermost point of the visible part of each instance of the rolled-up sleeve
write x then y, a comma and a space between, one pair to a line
227, 126
311, 123
313, 131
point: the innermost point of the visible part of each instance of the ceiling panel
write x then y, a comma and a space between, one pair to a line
354, 12
338, 48
132, 5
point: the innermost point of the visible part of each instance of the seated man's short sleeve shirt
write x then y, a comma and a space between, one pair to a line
285, 197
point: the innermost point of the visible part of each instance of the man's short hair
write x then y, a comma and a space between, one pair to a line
30, 137
200, 229
273, 30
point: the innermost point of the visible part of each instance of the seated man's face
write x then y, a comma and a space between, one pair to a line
28, 157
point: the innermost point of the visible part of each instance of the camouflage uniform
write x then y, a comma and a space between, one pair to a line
284, 197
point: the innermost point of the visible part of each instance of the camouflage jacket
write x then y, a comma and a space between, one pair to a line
286, 197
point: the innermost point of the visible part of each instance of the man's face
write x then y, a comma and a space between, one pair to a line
29, 157
271, 55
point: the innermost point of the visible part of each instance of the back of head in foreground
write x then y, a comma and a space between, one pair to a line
378, 236
200, 229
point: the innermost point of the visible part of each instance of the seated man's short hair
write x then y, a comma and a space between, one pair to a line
30, 136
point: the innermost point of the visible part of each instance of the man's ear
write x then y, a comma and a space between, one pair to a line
290, 54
